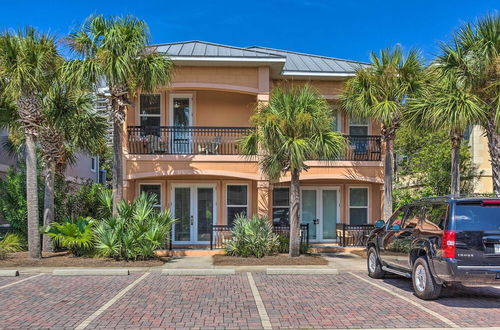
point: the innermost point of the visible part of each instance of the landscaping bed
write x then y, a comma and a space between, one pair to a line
64, 259
276, 260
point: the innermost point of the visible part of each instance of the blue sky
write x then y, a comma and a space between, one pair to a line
344, 29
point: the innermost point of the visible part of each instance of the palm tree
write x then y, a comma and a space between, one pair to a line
446, 103
28, 63
474, 58
379, 92
70, 124
115, 49
295, 126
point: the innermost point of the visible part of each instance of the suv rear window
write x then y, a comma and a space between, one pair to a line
477, 216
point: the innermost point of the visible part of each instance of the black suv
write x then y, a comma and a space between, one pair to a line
437, 242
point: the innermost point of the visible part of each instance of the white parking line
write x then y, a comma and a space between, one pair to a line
414, 303
264, 318
16, 282
101, 310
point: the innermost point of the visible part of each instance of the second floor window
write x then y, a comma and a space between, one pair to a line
358, 126
150, 110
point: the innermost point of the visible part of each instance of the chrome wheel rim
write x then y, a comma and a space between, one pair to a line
420, 278
372, 262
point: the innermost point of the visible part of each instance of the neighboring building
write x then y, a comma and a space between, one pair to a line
181, 144
481, 157
86, 166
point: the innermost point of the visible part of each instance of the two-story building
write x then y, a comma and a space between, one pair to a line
181, 143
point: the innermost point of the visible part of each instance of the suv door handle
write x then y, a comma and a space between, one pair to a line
192, 220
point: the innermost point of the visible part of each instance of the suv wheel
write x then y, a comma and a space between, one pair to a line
423, 282
373, 263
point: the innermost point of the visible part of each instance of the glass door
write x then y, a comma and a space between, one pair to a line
329, 214
308, 211
195, 210
181, 119
319, 207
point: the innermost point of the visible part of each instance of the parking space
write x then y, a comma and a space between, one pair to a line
54, 302
215, 302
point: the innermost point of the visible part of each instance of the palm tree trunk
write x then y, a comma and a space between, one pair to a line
456, 141
294, 249
32, 198
117, 165
48, 203
388, 176
494, 150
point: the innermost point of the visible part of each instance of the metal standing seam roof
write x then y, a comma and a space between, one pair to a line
206, 49
294, 62
300, 62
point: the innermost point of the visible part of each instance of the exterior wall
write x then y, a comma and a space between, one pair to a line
480, 156
82, 170
166, 182
226, 97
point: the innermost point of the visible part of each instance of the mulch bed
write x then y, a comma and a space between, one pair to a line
277, 260
64, 259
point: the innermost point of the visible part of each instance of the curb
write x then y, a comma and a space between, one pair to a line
8, 273
198, 272
301, 271
91, 272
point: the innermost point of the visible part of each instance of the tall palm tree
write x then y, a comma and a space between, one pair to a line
474, 57
446, 103
28, 63
70, 124
295, 126
115, 49
379, 92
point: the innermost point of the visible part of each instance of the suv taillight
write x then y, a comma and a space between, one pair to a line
449, 240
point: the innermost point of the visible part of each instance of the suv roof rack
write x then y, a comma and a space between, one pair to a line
472, 195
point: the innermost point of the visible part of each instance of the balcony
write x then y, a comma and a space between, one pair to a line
197, 140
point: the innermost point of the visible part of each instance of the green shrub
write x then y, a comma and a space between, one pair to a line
136, 232
284, 245
13, 206
77, 236
252, 238
9, 244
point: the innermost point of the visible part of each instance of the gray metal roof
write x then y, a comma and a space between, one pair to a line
206, 49
307, 63
295, 64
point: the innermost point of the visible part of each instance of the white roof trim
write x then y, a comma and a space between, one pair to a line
317, 74
227, 59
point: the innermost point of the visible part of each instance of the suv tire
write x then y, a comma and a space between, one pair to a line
424, 284
373, 264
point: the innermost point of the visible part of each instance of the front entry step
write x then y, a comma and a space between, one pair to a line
188, 253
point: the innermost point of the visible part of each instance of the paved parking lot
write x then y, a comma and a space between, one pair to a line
150, 300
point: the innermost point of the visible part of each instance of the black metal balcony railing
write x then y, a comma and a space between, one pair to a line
197, 140
190, 140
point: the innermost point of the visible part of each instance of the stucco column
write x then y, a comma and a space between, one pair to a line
263, 199
127, 190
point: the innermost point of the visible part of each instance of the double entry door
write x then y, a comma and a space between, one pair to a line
320, 208
194, 207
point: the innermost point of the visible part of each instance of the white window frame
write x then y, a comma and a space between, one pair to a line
171, 107
93, 164
367, 125
159, 197
336, 110
141, 115
349, 206
232, 205
281, 207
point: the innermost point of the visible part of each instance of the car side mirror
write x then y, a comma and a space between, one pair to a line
379, 223
395, 227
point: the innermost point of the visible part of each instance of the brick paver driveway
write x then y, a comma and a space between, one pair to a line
214, 302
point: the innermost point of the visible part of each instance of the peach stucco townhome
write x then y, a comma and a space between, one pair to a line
181, 144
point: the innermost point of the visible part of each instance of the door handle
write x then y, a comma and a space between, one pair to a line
192, 220
316, 221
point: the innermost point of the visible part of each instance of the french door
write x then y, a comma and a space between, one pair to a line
194, 207
181, 118
320, 208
